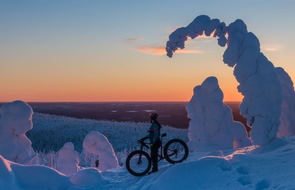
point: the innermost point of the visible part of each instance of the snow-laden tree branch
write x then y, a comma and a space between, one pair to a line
259, 83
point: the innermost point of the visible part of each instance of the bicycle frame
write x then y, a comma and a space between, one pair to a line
144, 144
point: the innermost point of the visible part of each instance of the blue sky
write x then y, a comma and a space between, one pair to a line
70, 50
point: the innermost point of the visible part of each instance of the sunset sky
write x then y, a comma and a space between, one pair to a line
95, 50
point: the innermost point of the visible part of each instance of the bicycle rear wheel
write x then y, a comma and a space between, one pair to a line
138, 163
175, 151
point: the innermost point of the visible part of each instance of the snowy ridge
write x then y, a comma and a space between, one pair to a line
268, 167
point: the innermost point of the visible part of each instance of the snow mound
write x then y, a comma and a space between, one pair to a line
88, 177
6, 177
68, 159
211, 124
15, 121
39, 177
200, 176
98, 145
17, 176
246, 168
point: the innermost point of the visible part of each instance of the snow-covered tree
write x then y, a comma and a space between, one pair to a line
68, 159
259, 83
15, 121
287, 127
211, 126
99, 146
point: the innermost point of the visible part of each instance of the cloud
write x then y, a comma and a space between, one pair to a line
272, 48
133, 43
152, 50
133, 39
161, 50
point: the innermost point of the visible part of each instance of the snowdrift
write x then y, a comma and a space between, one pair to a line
253, 167
17, 176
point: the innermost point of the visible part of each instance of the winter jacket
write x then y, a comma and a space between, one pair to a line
154, 132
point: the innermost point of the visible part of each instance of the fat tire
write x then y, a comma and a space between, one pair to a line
134, 155
169, 146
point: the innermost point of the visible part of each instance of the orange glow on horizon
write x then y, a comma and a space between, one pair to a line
72, 94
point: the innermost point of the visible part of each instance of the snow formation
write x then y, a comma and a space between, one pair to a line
68, 159
15, 121
246, 168
259, 83
211, 124
99, 147
15, 176
287, 127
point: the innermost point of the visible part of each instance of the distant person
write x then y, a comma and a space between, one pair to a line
96, 163
154, 137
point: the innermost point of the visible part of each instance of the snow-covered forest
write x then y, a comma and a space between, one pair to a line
51, 132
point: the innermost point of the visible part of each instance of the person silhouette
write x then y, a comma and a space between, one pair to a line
155, 141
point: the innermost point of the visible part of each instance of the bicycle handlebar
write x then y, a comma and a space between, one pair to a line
141, 141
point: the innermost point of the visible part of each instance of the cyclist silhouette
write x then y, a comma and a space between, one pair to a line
155, 142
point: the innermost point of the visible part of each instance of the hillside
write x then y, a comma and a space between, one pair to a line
51, 132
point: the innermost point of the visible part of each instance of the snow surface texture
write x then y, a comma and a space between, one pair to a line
68, 159
259, 83
15, 121
287, 127
246, 168
99, 146
211, 126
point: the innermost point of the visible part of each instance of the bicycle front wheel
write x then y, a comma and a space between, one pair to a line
175, 151
138, 163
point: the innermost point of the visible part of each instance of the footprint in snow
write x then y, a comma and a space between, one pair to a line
242, 170
262, 184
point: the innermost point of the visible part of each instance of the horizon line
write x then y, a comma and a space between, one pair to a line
154, 101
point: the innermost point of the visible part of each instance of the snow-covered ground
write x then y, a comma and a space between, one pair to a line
270, 167
254, 167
